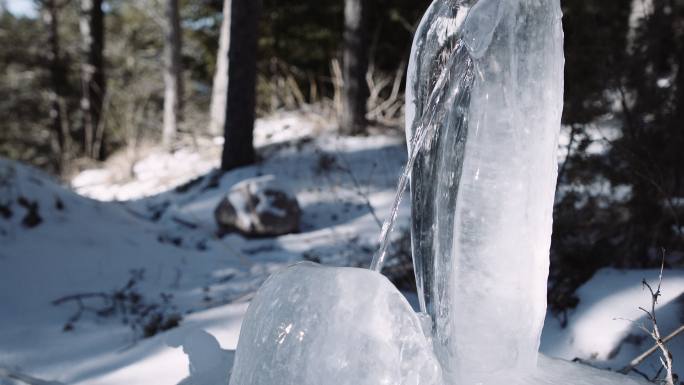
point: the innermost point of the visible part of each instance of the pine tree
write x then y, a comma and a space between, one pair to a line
238, 148
173, 89
220, 85
57, 69
355, 66
93, 87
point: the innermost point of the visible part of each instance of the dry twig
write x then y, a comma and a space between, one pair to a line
24, 378
660, 342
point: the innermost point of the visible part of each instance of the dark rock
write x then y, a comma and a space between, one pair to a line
259, 207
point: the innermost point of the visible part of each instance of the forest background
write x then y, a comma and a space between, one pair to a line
65, 106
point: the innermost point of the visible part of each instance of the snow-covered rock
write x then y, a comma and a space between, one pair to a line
312, 325
260, 206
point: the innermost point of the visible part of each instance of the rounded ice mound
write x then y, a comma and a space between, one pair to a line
314, 325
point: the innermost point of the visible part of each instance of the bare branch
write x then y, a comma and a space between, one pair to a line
666, 356
638, 360
15, 375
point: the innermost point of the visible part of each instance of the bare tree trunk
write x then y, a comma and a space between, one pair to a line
238, 148
172, 73
678, 119
219, 91
355, 63
679, 84
92, 77
57, 78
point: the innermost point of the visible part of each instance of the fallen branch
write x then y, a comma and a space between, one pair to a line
185, 223
79, 297
638, 360
144, 317
358, 190
14, 375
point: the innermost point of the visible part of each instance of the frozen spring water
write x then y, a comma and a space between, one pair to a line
313, 325
484, 99
483, 188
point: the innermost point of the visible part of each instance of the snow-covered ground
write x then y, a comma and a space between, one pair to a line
158, 228
603, 330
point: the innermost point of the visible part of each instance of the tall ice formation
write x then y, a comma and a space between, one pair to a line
483, 184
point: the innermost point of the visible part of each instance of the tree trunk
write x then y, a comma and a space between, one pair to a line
679, 83
219, 91
355, 62
238, 148
92, 77
172, 73
677, 120
57, 78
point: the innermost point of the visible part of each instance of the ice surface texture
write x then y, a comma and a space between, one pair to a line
483, 187
433, 194
311, 325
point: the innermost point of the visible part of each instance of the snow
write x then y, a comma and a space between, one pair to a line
208, 363
156, 172
558, 372
600, 134
91, 245
86, 246
602, 330
266, 202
